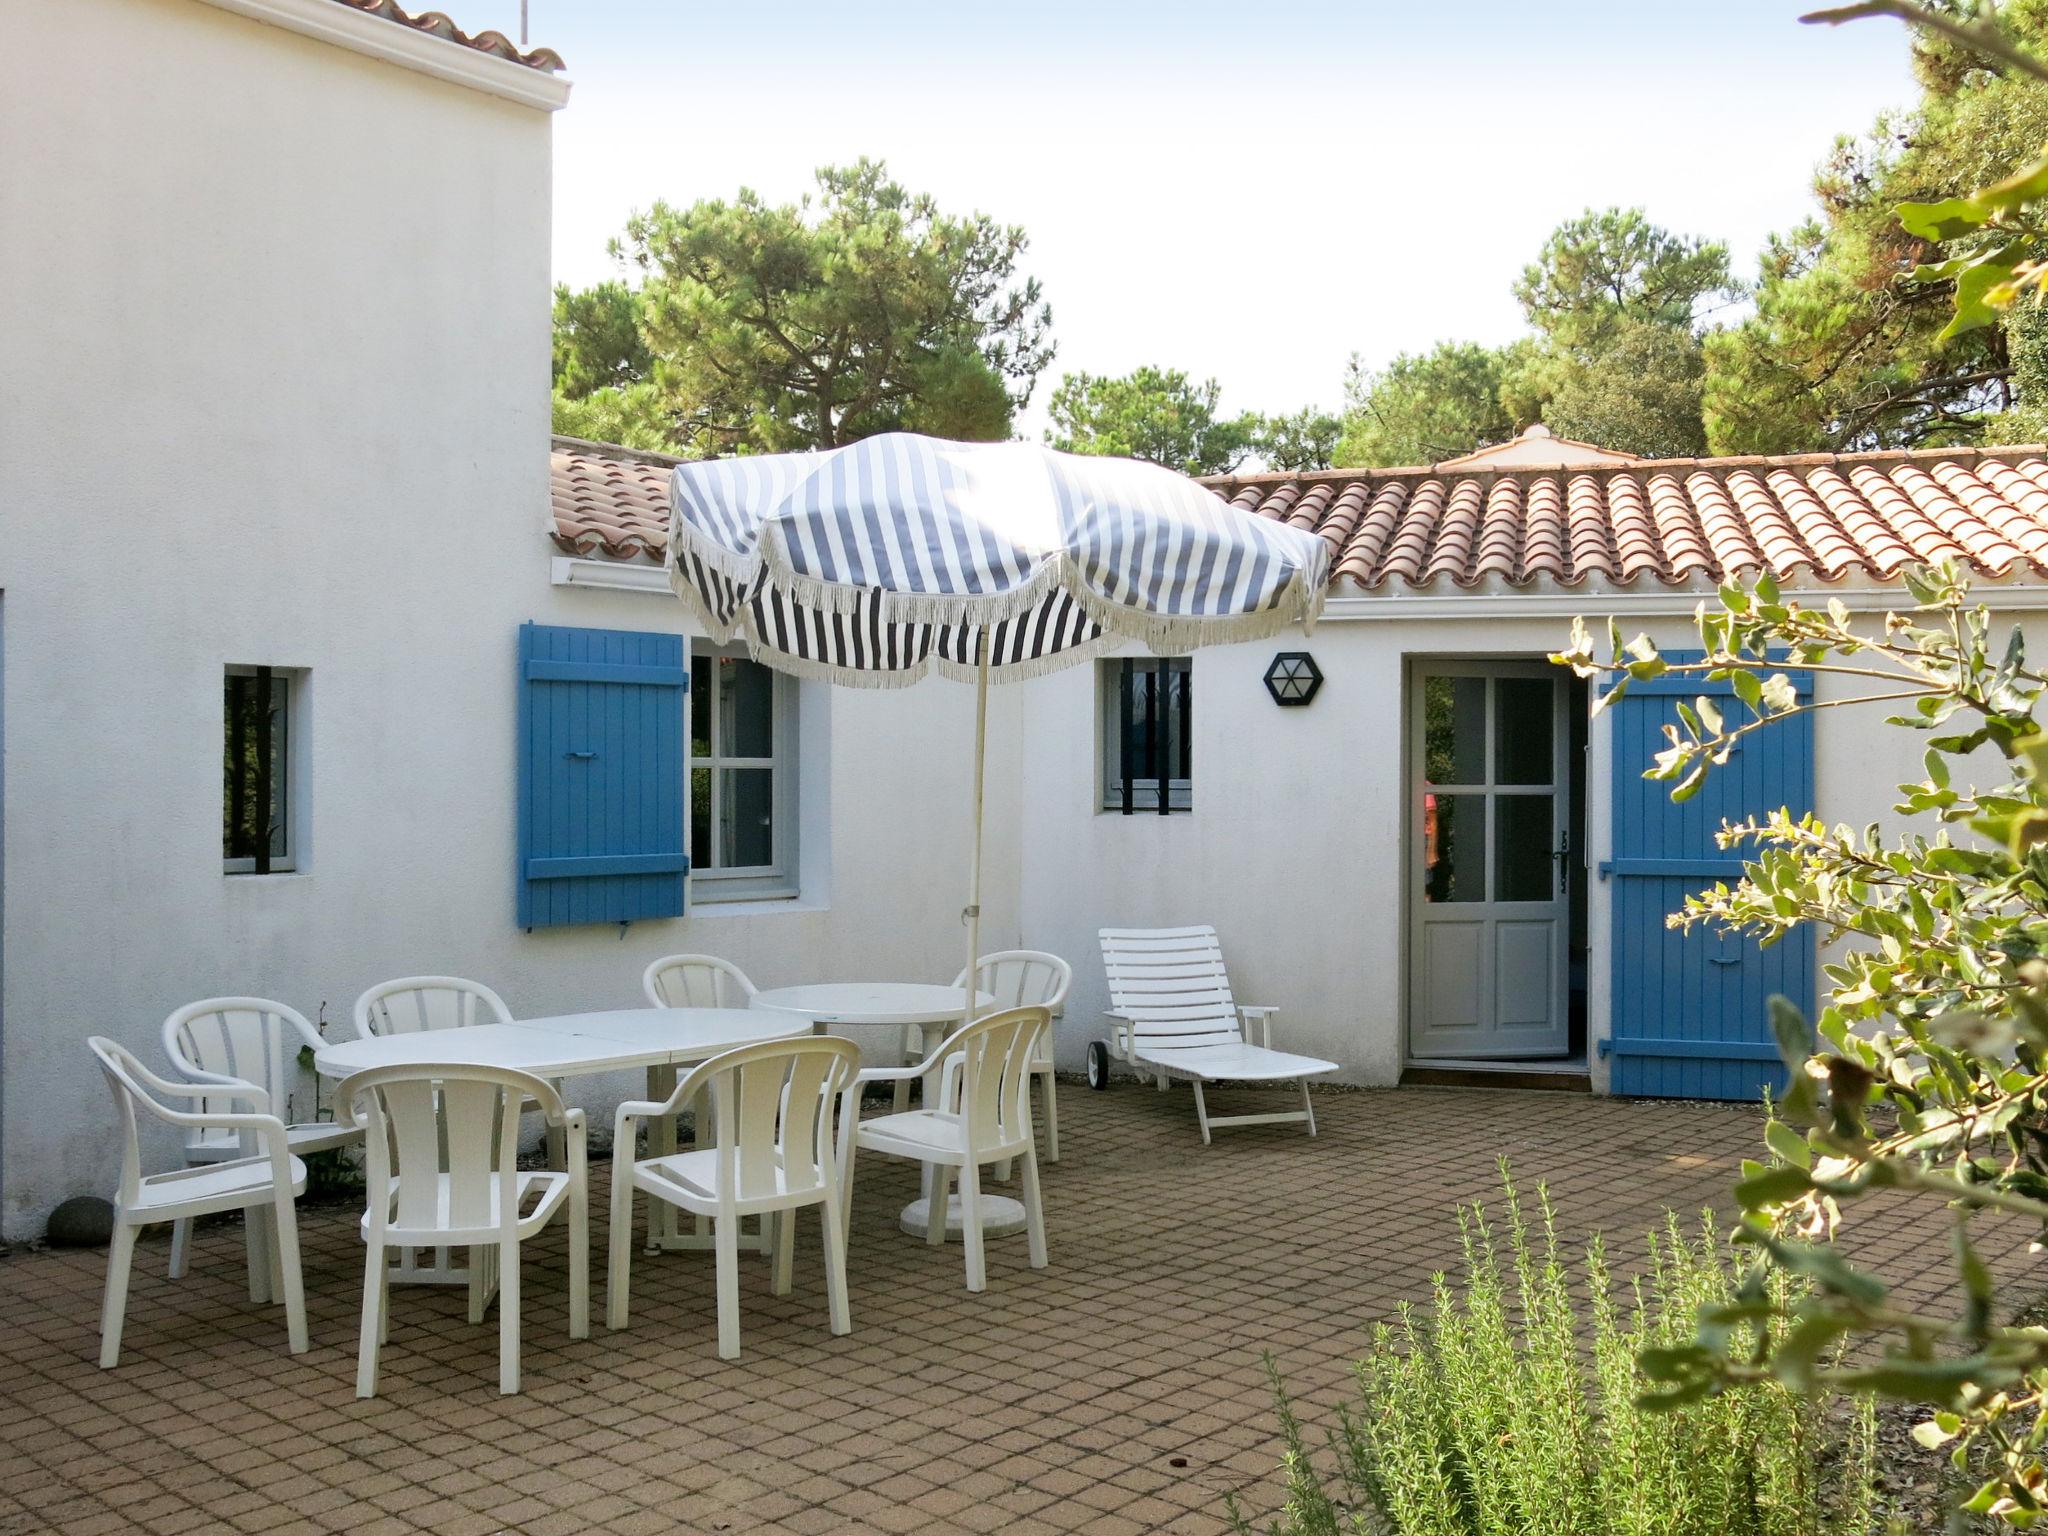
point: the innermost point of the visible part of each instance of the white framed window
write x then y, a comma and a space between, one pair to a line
259, 795
743, 805
1147, 713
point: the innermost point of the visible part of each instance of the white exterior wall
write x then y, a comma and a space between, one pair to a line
1295, 846
274, 334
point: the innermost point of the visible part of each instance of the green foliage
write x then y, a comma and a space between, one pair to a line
1615, 304
1304, 439
862, 309
1490, 1417
633, 416
1612, 269
598, 344
1425, 407
1155, 414
2026, 339
1872, 330
1639, 392
1930, 1086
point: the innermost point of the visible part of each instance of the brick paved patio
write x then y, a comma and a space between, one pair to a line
1119, 1391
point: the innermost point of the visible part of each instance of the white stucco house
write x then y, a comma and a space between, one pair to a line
278, 500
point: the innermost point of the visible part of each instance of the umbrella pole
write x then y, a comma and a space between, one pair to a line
973, 912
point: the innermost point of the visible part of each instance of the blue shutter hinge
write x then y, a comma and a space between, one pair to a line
1606, 1047
1605, 868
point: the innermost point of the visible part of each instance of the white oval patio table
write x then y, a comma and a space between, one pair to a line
935, 1011
575, 1045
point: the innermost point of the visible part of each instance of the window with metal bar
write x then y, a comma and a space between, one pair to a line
1147, 734
256, 797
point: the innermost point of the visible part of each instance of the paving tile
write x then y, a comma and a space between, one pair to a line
1120, 1390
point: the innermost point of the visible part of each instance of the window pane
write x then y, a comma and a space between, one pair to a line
1521, 854
1160, 707
250, 817
746, 834
746, 708
1454, 848
1527, 723
702, 669
700, 818
238, 807
1454, 730
280, 760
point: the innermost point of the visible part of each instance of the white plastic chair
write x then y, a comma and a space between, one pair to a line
443, 1171
1024, 978
774, 1106
696, 981
243, 1042
267, 1181
413, 1003
1171, 1015
992, 1124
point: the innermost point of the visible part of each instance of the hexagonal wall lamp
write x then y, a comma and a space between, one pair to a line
1293, 678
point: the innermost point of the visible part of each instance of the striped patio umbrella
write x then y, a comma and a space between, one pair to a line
872, 564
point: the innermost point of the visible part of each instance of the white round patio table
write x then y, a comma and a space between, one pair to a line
934, 1011
576, 1045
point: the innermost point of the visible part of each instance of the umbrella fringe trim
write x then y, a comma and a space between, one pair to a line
1297, 603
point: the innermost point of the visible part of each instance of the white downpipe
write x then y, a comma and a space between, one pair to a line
973, 912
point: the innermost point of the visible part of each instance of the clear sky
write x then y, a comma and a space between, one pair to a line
1250, 191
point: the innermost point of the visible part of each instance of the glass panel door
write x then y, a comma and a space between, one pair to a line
1488, 906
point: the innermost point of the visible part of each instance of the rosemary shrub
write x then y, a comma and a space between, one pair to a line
1510, 1410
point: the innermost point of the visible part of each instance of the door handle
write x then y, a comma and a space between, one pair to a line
1561, 855
581, 757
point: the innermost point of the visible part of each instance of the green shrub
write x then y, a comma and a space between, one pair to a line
1505, 1412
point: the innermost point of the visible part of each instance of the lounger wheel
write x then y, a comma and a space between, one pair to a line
1098, 1065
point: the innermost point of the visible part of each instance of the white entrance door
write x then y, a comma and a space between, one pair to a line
1488, 904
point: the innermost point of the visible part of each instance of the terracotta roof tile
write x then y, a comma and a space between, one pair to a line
438, 25
610, 501
1806, 518
1815, 517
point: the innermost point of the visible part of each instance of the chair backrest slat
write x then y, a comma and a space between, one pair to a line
696, 981
1024, 978
251, 1038
773, 1106
449, 1135
412, 1004
997, 1052
1171, 984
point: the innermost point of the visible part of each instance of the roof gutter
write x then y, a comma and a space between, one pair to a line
1589, 601
378, 38
1600, 601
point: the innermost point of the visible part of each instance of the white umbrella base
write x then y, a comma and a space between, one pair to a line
1000, 1217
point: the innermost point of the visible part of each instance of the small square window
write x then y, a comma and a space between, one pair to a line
1147, 734
256, 798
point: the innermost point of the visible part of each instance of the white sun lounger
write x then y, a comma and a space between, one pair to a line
1171, 1015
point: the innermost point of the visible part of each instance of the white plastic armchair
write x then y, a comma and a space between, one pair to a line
991, 1124
269, 1180
240, 1042
783, 1113
412, 1003
696, 981
1024, 978
442, 1146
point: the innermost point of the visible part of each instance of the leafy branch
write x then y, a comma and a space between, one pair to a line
1925, 1077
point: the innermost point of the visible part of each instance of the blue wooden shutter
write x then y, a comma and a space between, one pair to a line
1688, 1016
601, 775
